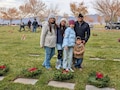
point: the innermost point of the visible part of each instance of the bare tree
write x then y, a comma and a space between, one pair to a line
108, 8
99, 19
78, 8
24, 11
53, 9
89, 19
36, 7
65, 15
10, 14
32, 8
1, 10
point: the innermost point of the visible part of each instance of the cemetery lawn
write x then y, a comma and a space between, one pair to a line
15, 53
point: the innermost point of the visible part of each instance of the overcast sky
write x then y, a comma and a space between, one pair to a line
63, 5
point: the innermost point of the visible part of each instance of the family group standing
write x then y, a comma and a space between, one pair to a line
69, 38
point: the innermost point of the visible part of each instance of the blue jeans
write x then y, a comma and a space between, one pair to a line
68, 56
49, 52
78, 62
34, 29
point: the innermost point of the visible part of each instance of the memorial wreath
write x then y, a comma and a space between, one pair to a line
31, 72
3, 70
98, 79
62, 75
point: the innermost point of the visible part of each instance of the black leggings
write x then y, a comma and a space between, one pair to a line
60, 54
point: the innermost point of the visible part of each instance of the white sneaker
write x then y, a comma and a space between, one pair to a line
71, 70
67, 69
57, 67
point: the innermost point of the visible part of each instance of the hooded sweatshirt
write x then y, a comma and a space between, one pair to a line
48, 38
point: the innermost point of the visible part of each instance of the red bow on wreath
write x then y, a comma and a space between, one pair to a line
32, 69
99, 75
2, 67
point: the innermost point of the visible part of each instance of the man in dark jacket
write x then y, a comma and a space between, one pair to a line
82, 29
35, 25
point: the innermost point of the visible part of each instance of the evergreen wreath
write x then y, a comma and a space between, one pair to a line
98, 79
31, 72
62, 75
3, 70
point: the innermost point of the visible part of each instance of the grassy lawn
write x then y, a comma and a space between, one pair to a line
14, 52
99, 26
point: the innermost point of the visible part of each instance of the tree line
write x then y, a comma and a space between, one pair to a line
109, 9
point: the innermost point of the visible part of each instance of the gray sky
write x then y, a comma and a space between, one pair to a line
63, 5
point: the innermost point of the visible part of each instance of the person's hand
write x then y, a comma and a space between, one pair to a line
66, 48
77, 53
63, 35
83, 41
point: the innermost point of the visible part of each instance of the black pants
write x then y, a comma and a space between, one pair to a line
60, 54
22, 27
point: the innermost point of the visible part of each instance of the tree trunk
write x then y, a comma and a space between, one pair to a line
10, 21
20, 20
2, 21
111, 21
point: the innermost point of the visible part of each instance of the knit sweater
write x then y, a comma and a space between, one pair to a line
48, 38
79, 51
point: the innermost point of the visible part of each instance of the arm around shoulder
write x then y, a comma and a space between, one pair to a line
88, 33
83, 49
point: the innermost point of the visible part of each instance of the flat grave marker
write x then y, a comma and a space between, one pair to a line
96, 58
26, 81
62, 84
116, 59
91, 87
1, 78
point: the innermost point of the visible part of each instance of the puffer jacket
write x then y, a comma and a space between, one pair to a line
69, 38
47, 38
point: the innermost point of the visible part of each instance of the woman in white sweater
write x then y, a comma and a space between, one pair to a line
48, 40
